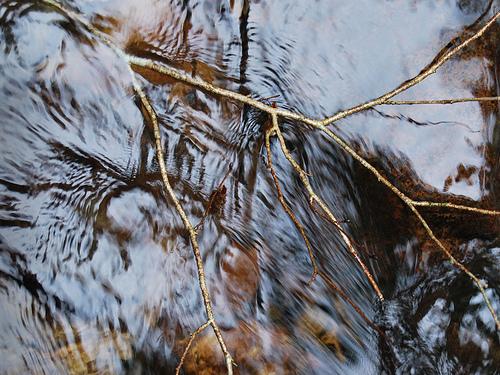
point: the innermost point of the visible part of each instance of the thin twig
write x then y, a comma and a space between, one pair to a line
287, 209
188, 346
356, 244
313, 197
456, 207
76, 17
442, 101
480, 284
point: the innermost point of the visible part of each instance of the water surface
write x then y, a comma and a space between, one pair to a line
96, 271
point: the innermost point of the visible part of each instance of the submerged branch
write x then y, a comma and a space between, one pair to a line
287, 209
313, 197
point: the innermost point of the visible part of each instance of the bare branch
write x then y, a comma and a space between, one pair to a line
442, 101
479, 283
429, 70
198, 82
456, 207
192, 233
314, 198
287, 209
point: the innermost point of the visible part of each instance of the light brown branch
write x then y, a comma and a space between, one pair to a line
313, 197
456, 207
192, 233
76, 17
163, 171
195, 81
287, 209
188, 346
426, 72
442, 101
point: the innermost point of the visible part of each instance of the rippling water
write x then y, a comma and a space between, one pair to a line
96, 269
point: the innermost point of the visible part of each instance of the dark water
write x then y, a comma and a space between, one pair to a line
96, 271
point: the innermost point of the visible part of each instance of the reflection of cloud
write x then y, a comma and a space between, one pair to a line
432, 327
